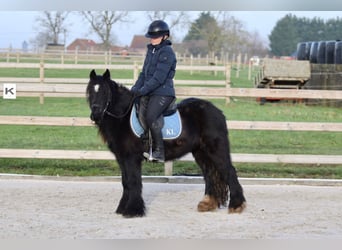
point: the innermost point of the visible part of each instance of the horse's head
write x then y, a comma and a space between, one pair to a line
99, 95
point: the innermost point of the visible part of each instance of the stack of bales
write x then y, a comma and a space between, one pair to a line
322, 52
326, 66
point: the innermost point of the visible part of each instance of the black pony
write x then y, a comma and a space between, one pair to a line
204, 134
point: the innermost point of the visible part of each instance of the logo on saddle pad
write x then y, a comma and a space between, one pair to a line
171, 130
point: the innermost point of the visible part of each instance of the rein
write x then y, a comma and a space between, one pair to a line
121, 115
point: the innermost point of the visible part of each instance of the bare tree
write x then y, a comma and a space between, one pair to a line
52, 24
174, 18
257, 46
102, 22
223, 33
40, 40
236, 39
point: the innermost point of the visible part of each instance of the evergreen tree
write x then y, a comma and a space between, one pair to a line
290, 30
284, 37
205, 28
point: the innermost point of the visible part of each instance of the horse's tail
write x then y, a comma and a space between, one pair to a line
213, 153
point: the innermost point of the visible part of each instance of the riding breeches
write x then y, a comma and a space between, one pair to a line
151, 109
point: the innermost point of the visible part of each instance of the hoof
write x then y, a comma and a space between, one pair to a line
207, 204
133, 214
129, 216
237, 210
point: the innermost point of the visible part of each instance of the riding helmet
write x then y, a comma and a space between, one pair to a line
158, 28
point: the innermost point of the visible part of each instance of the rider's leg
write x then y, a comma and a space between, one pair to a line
154, 120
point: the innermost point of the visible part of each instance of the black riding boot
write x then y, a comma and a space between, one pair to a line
158, 145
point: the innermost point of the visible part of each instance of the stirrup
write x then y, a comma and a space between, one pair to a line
157, 159
146, 155
149, 157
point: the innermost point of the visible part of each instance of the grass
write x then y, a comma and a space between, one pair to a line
242, 141
238, 109
52, 107
60, 73
110, 168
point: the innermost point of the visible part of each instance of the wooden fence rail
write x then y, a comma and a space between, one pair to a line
104, 66
239, 125
103, 57
106, 155
78, 90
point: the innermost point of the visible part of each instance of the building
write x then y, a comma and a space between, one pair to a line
138, 44
88, 45
82, 44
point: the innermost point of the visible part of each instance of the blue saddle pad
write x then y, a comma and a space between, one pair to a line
171, 130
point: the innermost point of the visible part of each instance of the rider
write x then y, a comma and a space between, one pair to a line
155, 84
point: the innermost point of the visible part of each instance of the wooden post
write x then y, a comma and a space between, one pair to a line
227, 73
62, 57
8, 56
245, 60
168, 168
249, 70
191, 63
215, 63
325, 85
238, 65
76, 56
41, 79
135, 72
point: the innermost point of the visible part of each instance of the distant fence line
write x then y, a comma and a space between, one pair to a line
43, 86
110, 57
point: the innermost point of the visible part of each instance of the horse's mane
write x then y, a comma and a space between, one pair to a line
121, 91
121, 88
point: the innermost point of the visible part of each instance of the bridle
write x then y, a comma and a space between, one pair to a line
117, 116
121, 115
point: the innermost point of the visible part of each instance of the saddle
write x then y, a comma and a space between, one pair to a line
172, 123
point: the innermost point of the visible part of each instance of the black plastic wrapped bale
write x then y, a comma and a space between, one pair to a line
307, 50
321, 52
330, 52
313, 52
338, 52
301, 51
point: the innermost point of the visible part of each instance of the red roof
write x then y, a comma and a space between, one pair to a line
139, 42
81, 44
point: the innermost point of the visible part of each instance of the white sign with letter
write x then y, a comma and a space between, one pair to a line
10, 91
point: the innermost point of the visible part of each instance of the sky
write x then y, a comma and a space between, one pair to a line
19, 26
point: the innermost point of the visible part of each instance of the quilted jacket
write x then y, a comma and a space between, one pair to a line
156, 77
